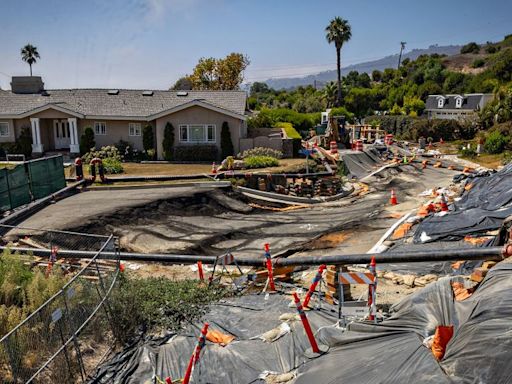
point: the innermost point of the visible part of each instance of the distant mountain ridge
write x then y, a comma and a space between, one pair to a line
390, 61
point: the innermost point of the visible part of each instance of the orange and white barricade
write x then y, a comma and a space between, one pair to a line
367, 278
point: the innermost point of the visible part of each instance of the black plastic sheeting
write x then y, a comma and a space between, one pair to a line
241, 361
392, 352
360, 164
483, 208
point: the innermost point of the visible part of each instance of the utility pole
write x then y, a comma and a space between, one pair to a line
402, 47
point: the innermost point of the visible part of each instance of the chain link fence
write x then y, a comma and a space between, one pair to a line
64, 339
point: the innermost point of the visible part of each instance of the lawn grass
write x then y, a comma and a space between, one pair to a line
137, 169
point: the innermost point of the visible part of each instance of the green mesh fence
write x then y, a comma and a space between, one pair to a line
5, 202
46, 176
14, 188
19, 187
30, 181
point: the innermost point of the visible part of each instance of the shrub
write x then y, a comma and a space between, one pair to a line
108, 151
168, 142
290, 131
226, 145
507, 158
112, 166
196, 153
261, 151
260, 162
128, 152
495, 142
468, 153
157, 303
478, 63
148, 139
266, 118
87, 141
490, 49
24, 142
470, 48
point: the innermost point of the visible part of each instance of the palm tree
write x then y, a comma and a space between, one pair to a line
338, 32
29, 55
329, 95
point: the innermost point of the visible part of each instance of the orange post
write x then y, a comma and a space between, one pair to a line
200, 270
305, 323
269, 267
371, 290
195, 356
315, 282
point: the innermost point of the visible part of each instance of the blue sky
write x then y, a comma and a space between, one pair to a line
151, 43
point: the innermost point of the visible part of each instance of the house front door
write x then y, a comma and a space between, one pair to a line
61, 134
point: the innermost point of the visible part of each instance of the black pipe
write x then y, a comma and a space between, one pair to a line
490, 253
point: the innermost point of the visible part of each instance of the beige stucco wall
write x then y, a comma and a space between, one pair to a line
116, 130
51, 114
198, 115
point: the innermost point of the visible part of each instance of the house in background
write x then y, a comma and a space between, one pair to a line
456, 107
57, 118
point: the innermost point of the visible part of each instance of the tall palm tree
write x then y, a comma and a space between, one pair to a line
329, 95
29, 55
338, 32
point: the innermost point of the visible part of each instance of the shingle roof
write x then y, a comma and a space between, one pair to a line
470, 101
128, 103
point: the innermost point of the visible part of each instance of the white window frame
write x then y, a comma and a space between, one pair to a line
98, 132
8, 131
206, 127
458, 102
134, 129
440, 102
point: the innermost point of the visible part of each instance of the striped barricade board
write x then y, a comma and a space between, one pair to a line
356, 278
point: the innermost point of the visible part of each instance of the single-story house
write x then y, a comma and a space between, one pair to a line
57, 118
456, 107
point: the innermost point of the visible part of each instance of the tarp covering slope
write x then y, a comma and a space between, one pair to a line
481, 208
393, 351
241, 361
360, 164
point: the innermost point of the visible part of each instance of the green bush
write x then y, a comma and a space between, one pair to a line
260, 162
7, 148
261, 151
478, 63
157, 303
23, 290
87, 141
490, 49
112, 166
290, 131
470, 48
168, 142
468, 153
24, 142
226, 145
194, 153
267, 118
495, 142
109, 151
148, 139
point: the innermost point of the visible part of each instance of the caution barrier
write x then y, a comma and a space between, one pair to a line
367, 278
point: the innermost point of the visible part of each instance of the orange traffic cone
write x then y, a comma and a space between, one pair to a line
444, 204
214, 168
393, 199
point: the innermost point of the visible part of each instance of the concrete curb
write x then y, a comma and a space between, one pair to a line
219, 184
